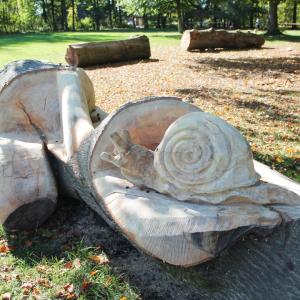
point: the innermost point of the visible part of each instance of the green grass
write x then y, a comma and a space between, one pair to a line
27, 269
52, 46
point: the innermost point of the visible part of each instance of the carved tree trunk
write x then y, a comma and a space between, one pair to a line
50, 106
180, 233
211, 39
43, 108
90, 54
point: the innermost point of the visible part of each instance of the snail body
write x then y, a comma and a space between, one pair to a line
199, 154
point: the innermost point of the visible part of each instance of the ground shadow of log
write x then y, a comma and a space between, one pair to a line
279, 64
124, 63
255, 267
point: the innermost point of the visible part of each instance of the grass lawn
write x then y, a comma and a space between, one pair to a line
52, 46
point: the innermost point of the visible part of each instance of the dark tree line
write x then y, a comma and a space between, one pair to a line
72, 15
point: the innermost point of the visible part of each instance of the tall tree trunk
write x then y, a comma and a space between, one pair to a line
64, 21
120, 17
96, 14
273, 17
179, 16
54, 25
73, 14
145, 20
295, 9
110, 14
44, 11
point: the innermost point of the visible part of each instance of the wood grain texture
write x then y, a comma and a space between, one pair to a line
91, 54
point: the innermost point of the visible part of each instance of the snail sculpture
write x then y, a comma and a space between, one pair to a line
201, 158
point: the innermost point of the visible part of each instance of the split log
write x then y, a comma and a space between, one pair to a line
212, 39
91, 54
43, 107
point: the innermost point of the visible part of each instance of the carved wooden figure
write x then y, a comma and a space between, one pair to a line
179, 183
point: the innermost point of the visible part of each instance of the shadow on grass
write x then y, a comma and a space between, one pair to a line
282, 37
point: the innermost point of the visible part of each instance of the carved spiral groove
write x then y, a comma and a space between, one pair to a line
200, 154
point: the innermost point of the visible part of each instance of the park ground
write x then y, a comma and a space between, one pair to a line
75, 255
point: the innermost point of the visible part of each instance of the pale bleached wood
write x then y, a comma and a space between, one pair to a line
42, 107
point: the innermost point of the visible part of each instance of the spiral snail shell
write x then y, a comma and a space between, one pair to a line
201, 153
198, 154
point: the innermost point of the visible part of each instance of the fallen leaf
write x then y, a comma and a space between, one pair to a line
123, 298
71, 296
42, 268
93, 273
99, 259
44, 282
85, 284
36, 291
279, 160
4, 249
68, 265
27, 285
69, 288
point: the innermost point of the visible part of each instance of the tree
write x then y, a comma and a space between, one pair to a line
273, 17
295, 11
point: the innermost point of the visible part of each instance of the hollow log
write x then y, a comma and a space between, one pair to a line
213, 39
91, 54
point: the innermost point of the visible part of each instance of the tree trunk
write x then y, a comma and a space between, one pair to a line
44, 11
64, 21
110, 17
273, 17
211, 39
91, 54
179, 16
73, 14
295, 10
53, 15
145, 20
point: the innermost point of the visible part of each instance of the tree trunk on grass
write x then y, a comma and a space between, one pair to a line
211, 39
295, 10
273, 17
91, 54
179, 16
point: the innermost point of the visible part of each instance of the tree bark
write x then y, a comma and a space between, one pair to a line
179, 16
273, 17
211, 39
91, 54
64, 21
53, 16
295, 10
73, 14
